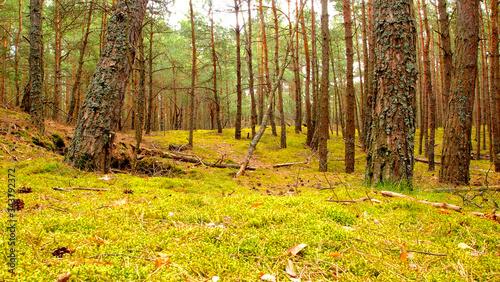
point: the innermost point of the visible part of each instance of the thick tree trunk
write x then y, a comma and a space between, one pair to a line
140, 97
457, 131
390, 155
36, 66
324, 89
365, 106
444, 24
350, 100
495, 86
237, 124
72, 112
92, 143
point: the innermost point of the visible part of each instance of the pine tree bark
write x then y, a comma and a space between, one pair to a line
72, 112
308, 75
296, 72
444, 24
350, 100
253, 110
392, 128
16, 54
456, 155
36, 66
314, 84
277, 71
365, 106
92, 144
193, 78
324, 89
429, 91
56, 97
214, 65
149, 108
140, 97
495, 85
237, 125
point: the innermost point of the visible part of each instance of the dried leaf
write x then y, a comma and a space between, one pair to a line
377, 222
106, 178
413, 266
294, 279
268, 277
257, 205
348, 228
464, 246
296, 249
121, 202
336, 255
162, 259
290, 270
215, 278
410, 255
64, 277
403, 255
443, 211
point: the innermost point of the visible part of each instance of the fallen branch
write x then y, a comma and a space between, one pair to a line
436, 205
289, 164
469, 189
492, 216
190, 159
79, 188
426, 161
118, 254
355, 200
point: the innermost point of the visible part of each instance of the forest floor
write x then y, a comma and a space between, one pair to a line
198, 223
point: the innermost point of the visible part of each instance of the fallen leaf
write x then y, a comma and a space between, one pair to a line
257, 205
268, 277
413, 266
464, 246
290, 270
294, 279
64, 277
348, 228
162, 259
215, 278
410, 255
121, 202
336, 255
403, 255
106, 178
296, 249
443, 211
377, 222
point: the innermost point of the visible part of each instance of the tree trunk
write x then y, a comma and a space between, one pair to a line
308, 74
193, 78
16, 54
92, 143
139, 99
495, 86
350, 100
428, 90
444, 24
253, 110
277, 70
296, 72
56, 97
365, 107
72, 113
457, 131
392, 129
149, 108
36, 66
314, 85
214, 64
237, 124
324, 93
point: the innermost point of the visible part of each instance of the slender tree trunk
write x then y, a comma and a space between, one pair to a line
92, 143
16, 54
253, 110
277, 70
36, 66
149, 109
457, 132
214, 64
428, 90
76, 86
193, 78
495, 86
324, 89
139, 99
237, 126
57, 63
350, 100
365, 107
392, 129
314, 86
308, 75
296, 71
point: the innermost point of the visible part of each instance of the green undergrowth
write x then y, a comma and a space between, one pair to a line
203, 223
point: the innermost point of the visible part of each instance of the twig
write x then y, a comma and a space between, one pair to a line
8, 152
79, 188
355, 200
436, 205
119, 254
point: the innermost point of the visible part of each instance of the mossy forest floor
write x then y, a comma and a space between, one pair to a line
202, 225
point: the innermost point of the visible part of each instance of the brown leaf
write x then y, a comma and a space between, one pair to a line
296, 249
118, 203
162, 259
64, 277
403, 255
290, 269
257, 205
443, 211
268, 277
336, 255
